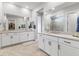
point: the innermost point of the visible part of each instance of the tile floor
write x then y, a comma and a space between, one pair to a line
24, 49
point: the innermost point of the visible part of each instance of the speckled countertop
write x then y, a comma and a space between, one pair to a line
65, 36
14, 31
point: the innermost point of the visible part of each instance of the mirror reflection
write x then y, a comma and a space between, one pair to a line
67, 23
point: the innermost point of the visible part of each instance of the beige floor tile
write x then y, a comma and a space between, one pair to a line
25, 49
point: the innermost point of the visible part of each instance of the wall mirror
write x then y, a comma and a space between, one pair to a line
55, 23
15, 22
68, 23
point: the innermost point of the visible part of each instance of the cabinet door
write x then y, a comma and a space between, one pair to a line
14, 38
23, 36
41, 42
51, 47
6, 39
31, 35
66, 50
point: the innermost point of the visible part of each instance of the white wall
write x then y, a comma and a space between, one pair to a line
17, 11
51, 5
12, 9
1, 17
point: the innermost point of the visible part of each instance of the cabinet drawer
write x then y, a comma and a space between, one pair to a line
69, 42
66, 50
23, 36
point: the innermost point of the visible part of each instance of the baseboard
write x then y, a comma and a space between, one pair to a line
15, 44
44, 52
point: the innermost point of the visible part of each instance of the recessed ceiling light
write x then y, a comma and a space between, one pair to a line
26, 6
11, 5
53, 8
24, 9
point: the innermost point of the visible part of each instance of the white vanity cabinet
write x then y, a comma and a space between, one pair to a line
26, 36
9, 39
23, 36
51, 45
6, 39
58, 46
31, 36
14, 38
68, 47
42, 39
48, 44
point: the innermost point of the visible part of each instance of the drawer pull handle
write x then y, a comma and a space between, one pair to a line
67, 42
49, 43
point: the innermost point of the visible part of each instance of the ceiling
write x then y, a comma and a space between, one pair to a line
64, 6
30, 5
34, 5
47, 5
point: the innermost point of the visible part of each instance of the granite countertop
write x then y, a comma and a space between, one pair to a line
14, 31
65, 36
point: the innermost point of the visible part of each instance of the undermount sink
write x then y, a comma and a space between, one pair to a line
75, 36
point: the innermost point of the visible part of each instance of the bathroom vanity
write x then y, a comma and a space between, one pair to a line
58, 44
14, 25
65, 42
9, 38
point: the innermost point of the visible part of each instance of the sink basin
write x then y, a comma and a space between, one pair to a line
75, 36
